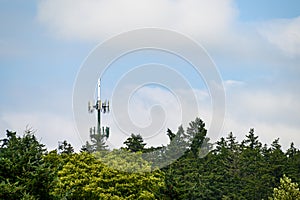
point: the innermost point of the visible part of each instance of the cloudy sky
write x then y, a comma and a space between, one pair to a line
254, 44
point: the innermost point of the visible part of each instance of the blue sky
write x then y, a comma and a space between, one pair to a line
255, 45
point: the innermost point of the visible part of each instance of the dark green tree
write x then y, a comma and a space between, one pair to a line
65, 148
135, 143
253, 169
276, 161
170, 134
223, 169
197, 133
184, 177
178, 145
23, 171
292, 164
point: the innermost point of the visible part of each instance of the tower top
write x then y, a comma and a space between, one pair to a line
98, 94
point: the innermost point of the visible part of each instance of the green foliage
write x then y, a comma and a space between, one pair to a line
292, 168
192, 169
124, 160
23, 171
135, 143
287, 190
86, 177
65, 148
232, 170
165, 155
196, 133
170, 134
251, 168
183, 177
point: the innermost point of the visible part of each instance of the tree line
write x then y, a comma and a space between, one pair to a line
196, 169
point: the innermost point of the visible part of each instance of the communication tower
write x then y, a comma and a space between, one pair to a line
100, 107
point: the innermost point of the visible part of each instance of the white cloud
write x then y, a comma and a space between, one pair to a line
177, 108
96, 20
267, 132
268, 106
50, 128
284, 34
214, 23
233, 83
273, 114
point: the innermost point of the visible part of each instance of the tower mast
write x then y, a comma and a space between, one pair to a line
98, 107
101, 107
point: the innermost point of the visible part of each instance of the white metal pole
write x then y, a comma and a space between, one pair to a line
98, 95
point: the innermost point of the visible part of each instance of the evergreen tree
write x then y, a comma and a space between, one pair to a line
23, 170
184, 177
252, 163
232, 170
65, 148
177, 147
277, 161
292, 166
135, 143
170, 134
196, 133
227, 168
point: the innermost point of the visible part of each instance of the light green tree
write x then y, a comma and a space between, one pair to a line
124, 160
287, 190
85, 176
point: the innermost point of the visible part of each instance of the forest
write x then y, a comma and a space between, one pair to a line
228, 169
